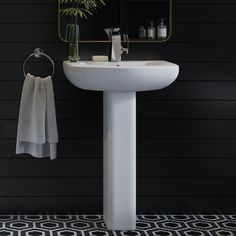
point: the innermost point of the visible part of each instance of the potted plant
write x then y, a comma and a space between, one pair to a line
76, 9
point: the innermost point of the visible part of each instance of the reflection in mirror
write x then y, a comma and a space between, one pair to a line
91, 26
142, 20
147, 20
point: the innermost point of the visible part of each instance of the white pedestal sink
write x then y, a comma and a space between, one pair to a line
120, 81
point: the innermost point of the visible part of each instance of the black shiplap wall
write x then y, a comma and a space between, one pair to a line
186, 133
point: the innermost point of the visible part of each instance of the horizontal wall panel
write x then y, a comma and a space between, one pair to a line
212, 71
182, 33
80, 110
152, 148
207, 187
46, 168
33, 33
73, 129
185, 52
197, 90
186, 110
145, 110
87, 168
94, 205
185, 33
186, 148
82, 148
65, 109
186, 205
180, 90
221, 187
172, 51
51, 205
62, 90
30, 13
186, 167
194, 12
51, 187
81, 129
186, 129
93, 110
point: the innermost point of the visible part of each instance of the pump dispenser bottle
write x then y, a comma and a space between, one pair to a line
151, 31
161, 30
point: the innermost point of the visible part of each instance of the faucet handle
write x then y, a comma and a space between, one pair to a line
111, 31
126, 40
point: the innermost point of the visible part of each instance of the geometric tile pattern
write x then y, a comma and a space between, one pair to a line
93, 225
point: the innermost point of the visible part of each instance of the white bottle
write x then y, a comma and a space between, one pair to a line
162, 30
151, 31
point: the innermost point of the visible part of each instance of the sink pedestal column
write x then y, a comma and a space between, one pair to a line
119, 149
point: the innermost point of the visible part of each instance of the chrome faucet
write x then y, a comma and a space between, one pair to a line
116, 46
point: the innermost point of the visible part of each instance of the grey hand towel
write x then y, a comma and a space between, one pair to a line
37, 126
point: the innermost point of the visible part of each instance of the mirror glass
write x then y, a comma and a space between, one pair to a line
147, 20
142, 20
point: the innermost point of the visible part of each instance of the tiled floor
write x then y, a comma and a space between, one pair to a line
156, 225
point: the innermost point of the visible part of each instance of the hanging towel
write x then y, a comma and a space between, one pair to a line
37, 126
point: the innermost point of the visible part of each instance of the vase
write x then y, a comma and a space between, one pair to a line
72, 36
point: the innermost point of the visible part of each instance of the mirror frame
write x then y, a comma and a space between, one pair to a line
131, 41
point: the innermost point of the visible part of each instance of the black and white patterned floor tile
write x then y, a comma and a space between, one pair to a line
93, 225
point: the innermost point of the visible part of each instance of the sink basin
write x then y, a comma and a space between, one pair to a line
119, 83
121, 76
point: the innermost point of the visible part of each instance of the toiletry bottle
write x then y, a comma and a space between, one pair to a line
162, 30
142, 32
151, 31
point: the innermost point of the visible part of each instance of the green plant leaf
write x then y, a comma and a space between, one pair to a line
81, 8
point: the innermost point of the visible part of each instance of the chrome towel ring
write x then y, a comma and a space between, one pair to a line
38, 52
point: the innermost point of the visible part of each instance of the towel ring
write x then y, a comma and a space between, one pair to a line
38, 52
